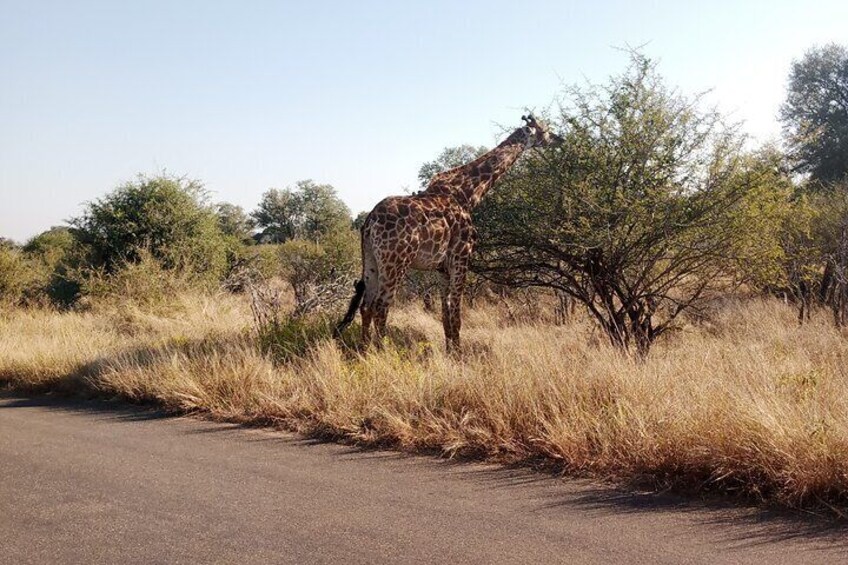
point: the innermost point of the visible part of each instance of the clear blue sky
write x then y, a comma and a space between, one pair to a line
251, 95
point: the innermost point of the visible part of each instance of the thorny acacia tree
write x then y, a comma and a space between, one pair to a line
638, 216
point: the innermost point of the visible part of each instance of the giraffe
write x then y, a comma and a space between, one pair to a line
432, 231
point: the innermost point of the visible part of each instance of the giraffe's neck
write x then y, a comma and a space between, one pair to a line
469, 183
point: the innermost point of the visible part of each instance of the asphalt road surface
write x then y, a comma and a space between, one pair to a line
90, 482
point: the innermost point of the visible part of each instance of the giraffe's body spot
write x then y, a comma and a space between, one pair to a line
414, 231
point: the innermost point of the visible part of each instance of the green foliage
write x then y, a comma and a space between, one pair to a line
36, 273
277, 215
449, 158
827, 265
264, 259
311, 211
59, 259
830, 212
813, 258
815, 114
802, 240
320, 275
234, 222
294, 337
633, 216
359, 220
767, 222
51, 245
163, 215
17, 275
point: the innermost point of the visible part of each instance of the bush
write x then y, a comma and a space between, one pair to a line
320, 274
233, 221
35, 273
252, 264
58, 258
17, 276
51, 246
291, 338
144, 282
165, 216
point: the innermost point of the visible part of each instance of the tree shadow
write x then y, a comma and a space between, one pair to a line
733, 522
108, 409
82, 381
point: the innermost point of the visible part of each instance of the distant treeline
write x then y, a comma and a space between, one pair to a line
651, 207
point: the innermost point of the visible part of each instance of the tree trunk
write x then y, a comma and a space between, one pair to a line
564, 308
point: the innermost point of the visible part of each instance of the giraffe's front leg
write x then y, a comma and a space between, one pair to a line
452, 306
454, 320
446, 309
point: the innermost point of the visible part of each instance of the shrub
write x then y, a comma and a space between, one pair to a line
320, 274
51, 246
58, 258
17, 276
233, 221
291, 338
163, 215
252, 263
144, 282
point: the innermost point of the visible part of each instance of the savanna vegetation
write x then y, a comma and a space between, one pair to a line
654, 301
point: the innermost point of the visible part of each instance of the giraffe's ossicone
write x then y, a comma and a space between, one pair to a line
432, 231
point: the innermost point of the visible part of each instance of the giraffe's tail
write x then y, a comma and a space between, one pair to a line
359, 287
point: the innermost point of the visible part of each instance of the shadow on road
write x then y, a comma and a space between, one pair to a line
105, 409
732, 522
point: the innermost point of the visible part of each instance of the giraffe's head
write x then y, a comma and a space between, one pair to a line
539, 135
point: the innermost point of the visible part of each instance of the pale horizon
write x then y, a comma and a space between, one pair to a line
250, 96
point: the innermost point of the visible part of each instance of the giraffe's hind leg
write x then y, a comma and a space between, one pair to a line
382, 303
367, 316
390, 279
371, 278
369, 311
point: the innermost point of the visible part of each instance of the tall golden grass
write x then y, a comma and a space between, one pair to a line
750, 403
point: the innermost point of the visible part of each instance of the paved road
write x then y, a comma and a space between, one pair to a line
88, 482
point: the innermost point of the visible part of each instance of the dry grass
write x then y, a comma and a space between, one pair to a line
751, 404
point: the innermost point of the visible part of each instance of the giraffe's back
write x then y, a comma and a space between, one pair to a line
413, 231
